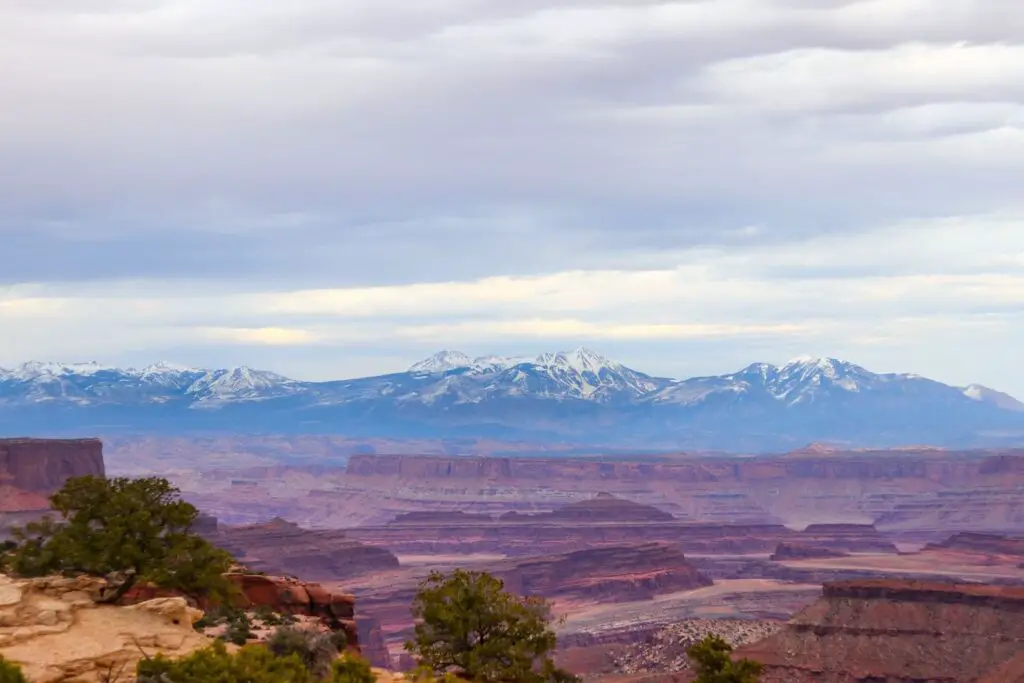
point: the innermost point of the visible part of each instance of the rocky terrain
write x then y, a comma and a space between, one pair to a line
32, 469
664, 651
913, 496
898, 632
55, 630
281, 547
608, 574
603, 520
604, 576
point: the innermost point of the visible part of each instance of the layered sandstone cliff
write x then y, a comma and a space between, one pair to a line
612, 574
604, 520
282, 547
32, 469
897, 632
986, 544
923, 464
53, 628
856, 538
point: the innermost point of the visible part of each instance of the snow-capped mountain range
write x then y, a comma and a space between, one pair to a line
577, 395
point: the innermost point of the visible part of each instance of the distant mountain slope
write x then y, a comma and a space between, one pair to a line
577, 396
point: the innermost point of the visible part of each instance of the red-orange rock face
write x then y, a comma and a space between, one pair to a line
898, 632
283, 595
32, 469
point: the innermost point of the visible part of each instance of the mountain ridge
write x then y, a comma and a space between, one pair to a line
576, 395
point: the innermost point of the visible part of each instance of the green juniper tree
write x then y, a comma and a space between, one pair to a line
713, 662
11, 673
132, 530
468, 625
250, 664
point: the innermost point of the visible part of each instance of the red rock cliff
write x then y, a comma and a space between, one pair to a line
43, 465
898, 632
926, 465
32, 469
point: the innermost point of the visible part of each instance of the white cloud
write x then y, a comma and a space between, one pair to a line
728, 178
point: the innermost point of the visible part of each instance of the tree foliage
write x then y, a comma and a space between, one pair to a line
467, 624
136, 529
350, 669
11, 673
250, 664
713, 661
316, 649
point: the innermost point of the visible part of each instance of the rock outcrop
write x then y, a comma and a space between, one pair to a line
604, 507
613, 574
291, 596
986, 544
283, 595
372, 643
32, 469
53, 628
281, 547
604, 520
897, 632
854, 538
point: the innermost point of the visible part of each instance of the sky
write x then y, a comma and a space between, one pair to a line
333, 189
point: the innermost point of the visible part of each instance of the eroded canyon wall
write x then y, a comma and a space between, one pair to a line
32, 469
43, 465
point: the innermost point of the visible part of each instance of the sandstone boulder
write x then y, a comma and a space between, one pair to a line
53, 628
291, 596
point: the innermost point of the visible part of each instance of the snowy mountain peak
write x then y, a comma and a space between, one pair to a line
820, 362
983, 394
442, 362
240, 382
832, 368
166, 367
580, 360
34, 370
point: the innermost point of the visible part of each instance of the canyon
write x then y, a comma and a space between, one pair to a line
624, 548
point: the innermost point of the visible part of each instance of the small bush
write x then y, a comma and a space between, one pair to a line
251, 664
268, 616
712, 658
316, 649
239, 629
11, 673
215, 615
351, 669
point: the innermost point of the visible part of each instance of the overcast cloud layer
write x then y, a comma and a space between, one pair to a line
332, 189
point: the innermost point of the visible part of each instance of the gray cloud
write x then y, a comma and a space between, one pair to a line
261, 147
